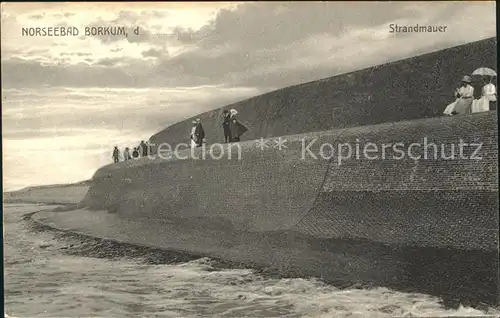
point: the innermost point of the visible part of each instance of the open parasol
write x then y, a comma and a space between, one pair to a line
484, 71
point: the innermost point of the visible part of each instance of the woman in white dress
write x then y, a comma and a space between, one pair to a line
449, 109
193, 135
465, 96
489, 96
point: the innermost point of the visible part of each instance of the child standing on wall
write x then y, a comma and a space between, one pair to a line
135, 153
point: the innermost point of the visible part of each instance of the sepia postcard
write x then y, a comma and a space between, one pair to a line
250, 159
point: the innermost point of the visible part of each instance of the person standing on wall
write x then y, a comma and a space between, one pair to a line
488, 98
135, 153
199, 133
193, 134
465, 95
143, 148
116, 155
225, 125
126, 154
236, 128
149, 148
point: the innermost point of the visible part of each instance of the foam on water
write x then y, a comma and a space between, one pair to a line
41, 279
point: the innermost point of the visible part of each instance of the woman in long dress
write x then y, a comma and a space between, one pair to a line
465, 96
236, 128
449, 109
488, 98
126, 154
199, 133
194, 142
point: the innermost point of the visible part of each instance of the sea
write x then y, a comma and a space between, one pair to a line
59, 274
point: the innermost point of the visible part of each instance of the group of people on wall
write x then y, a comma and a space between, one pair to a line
466, 103
232, 129
140, 151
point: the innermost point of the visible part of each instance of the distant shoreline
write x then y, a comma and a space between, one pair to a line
49, 186
58, 194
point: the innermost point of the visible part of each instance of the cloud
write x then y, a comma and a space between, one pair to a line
75, 54
153, 53
37, 16
83, 94
24, 73
111, 109
268, 45
111, 61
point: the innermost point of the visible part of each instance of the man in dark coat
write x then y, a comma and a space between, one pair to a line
226, 121
199, 133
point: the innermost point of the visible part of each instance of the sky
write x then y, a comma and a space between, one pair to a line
68, 100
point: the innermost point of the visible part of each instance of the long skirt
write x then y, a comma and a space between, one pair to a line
193, 144
463, 105
450, 108
481, 105
237, 129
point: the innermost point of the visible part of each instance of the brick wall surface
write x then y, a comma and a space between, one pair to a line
425, 202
